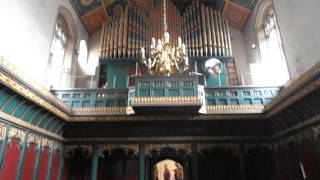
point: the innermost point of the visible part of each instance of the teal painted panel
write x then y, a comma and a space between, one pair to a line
246, 3
221, 80
35, 121
144, 92
20, 110
85, 103
257, 101
117, 75
222, 102
38, 116
46, 120
234, 102
188, 92
159, 92
247, 101
75, 104
4, 96
173, 92
11, 105
30, 113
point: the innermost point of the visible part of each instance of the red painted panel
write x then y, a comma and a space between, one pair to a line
309, 160
293, 155
43, 166
55, 165
283, 168
11, 160
29, 162
65, 170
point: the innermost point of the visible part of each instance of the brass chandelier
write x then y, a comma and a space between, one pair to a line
165, 58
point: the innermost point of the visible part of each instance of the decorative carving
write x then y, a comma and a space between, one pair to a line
46, 143
9, 82
234, 109
150, 147
110, 147
24, 124
16, 133
18, 73
201, 147
70, 149
167, 100
288, 96
3, 130
32, 138
112, 109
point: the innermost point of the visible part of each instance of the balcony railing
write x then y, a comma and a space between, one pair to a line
240, 95
79, 98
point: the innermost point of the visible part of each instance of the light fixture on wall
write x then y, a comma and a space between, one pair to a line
253, 46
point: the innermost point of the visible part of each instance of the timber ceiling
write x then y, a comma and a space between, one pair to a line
94, 12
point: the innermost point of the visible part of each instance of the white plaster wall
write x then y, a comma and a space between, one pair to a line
299, 24
250, 37
240, 57
85, 79
26, 32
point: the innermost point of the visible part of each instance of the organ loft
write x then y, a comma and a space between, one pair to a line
159, 90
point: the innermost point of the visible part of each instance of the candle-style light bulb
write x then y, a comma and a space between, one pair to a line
183, 48
166, 37
153, 40
143, 53
179, 42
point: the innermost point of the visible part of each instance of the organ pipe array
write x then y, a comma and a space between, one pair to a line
201, 27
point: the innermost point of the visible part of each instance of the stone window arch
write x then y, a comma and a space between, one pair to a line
272, 70
62, 54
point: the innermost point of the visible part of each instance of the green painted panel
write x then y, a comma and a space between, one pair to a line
144, 92
20, 110
4, 96
30, 113
247, 3
11, 105
117, 75
46, 121
173, 92
221, 80
38, 117
159, 92
188, 92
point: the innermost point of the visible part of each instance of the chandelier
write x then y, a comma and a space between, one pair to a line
165, 58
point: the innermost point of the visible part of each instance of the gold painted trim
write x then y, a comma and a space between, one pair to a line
167, 100
3, 130
283, 98
150, 147
113, 109
24, 124
200, 117
18, 73
32, 138
201, 147
169, 138
234, 109
16, 133
110, 147
9, 82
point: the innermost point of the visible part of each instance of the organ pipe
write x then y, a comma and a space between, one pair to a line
202, 28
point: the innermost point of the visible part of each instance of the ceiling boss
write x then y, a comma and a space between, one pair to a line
165, 58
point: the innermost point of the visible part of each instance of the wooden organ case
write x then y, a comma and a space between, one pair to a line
201, 27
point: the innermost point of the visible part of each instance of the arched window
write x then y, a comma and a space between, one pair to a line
62, 51
57, 52
83, 55
272, 70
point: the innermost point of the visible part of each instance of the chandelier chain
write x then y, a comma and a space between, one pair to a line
165, 26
